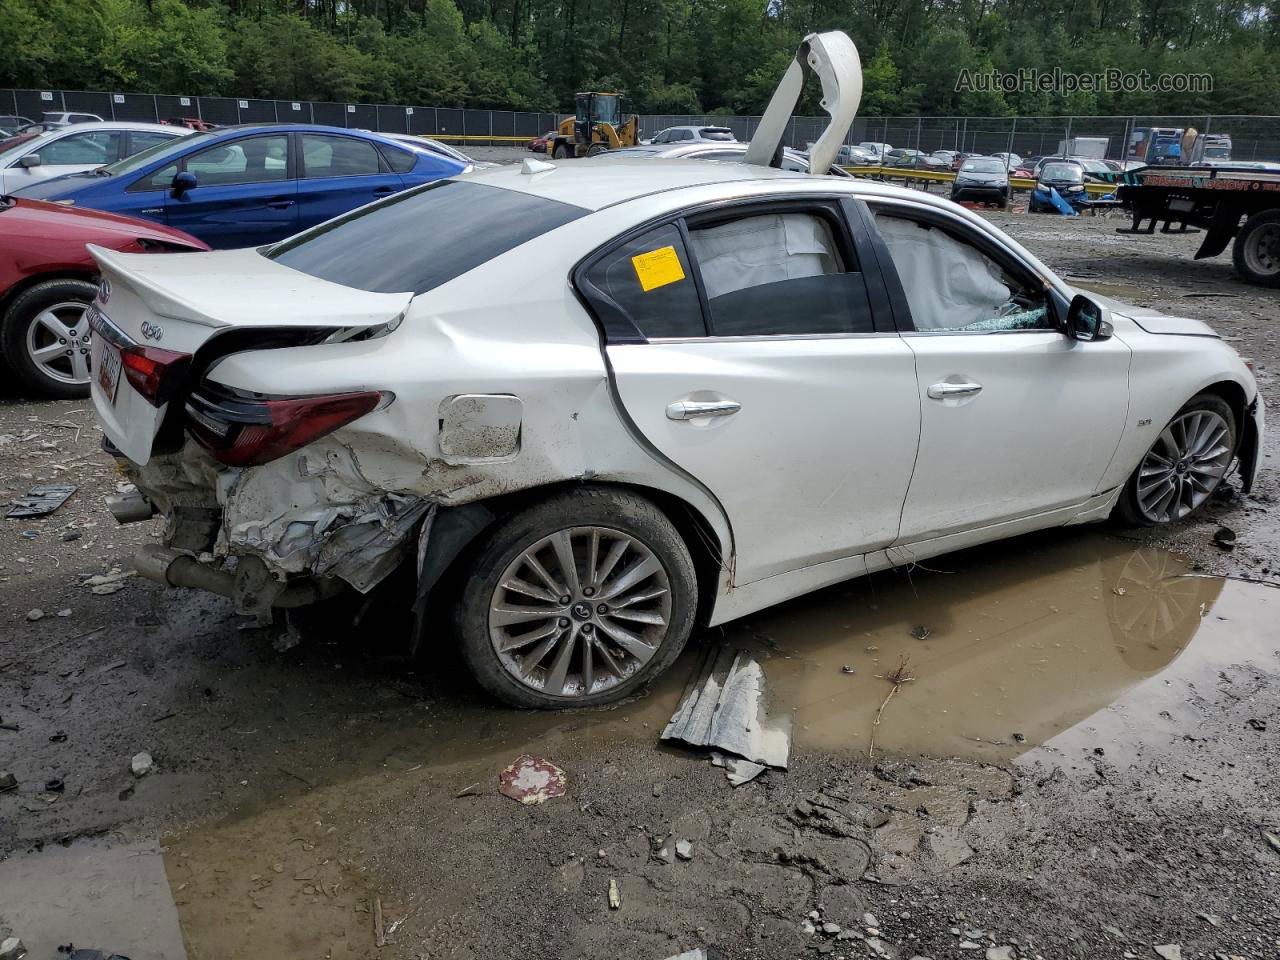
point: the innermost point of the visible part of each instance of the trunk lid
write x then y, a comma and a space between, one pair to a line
164, 308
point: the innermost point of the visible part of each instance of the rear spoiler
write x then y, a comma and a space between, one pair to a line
834, 58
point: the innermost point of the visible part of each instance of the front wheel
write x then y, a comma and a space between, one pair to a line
1256, 252
577, 601
596, 149
44, 338
1184, 466
560, 151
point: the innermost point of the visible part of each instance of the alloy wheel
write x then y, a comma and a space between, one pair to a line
580, 611
58, 342
1184, 466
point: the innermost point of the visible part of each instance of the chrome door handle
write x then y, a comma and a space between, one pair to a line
948, 391
689, 409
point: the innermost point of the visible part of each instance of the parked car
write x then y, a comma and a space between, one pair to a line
946, 156
1067, 178
1011, 160
984, 179
33, 158
574, 550
960, 158
52, 120
695, 134
191, 123
11, 123
852, 156
915, 159
252, 184
1087, 164
443, 149
725, 152
880, 150
539, 144
582, 407
48, 279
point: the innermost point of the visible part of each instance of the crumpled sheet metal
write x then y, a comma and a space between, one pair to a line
529, 779
43, 499
725, 708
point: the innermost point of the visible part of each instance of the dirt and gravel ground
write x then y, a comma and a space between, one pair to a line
1080, 764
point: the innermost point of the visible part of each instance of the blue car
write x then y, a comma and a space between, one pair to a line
249, 185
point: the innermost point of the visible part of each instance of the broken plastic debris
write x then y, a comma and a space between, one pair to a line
43, 499
531, 779
709, 953
724, 707
615, 898
921, 632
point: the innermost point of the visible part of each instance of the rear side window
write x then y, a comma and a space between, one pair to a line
646, 284
779, 274
326, 156
400, 161
420, 238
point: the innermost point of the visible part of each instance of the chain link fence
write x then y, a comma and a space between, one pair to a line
1253, 137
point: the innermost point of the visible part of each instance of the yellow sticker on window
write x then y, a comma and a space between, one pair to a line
657, 268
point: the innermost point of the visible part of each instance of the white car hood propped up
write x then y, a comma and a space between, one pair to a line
834, 58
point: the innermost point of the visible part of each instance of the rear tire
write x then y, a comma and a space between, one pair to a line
612, 636
560, 151
1256, 251
596, 149
1183, 467
41, 319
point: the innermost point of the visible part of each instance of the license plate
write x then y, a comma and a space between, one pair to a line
109, 371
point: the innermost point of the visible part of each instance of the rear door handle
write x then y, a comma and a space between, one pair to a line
951, 391
279, 203
690, 409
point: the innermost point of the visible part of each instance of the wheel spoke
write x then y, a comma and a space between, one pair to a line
588, 667
633, 575
639, 616
627, 640
536, 655
51, 322
541, 571
49, 353
559, 670
611, 559
508, 616
524, 639
652, 593
568, 566
593, 557
517, 585
79, 366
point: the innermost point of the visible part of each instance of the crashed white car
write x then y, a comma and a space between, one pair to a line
587, 406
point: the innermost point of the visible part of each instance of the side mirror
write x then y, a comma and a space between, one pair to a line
30, 160
1088, 321
183, 181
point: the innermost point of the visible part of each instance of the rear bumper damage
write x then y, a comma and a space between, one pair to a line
300, 528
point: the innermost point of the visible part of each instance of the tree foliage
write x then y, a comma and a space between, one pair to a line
669, 56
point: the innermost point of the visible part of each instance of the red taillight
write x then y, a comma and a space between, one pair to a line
246, 431
154, 372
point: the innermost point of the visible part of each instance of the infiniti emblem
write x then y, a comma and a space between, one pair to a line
152, 331
104, 290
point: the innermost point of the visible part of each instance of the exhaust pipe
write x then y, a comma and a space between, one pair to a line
174, 569
131, 507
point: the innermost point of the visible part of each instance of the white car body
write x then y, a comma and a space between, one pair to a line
796, 460
78, 147
699, 133
726, 152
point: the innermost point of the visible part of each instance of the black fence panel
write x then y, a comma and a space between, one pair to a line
96, 103
330, 114
423, 121
134, 106
293, 111
503, 123
448, 122
475, 123
527, 125
171, 107
258, 111
362, 115
31, 103
220, 110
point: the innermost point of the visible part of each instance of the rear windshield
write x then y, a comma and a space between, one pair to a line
717, 133
421, 238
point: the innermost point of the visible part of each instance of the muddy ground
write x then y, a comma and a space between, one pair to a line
1083, 763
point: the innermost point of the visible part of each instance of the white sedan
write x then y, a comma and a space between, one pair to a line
579, 408
76, 148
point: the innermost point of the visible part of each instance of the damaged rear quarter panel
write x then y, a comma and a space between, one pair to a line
530, 353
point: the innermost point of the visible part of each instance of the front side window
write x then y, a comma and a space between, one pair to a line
328, 156
647, 283
952, 286
252, 160
778, 274
96, 148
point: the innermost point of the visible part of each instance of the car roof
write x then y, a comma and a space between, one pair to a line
594, 186
118, 125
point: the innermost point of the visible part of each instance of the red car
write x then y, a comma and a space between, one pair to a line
48, 279
195, 123
539, 144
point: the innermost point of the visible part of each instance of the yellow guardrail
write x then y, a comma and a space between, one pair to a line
947, 176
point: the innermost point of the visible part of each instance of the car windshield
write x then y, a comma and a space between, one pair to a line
386, 247
15, 145
159, 152
984, 165
1062, 171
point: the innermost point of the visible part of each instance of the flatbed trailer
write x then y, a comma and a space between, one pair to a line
1226, 202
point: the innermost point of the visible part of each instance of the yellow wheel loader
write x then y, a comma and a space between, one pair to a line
596, 126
